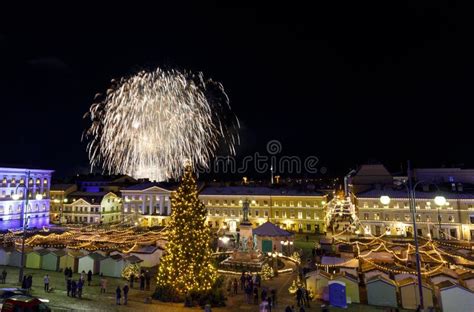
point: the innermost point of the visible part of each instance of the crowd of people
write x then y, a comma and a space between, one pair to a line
251, 286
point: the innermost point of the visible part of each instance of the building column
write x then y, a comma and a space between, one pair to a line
162, 199
151, 211
168, 207
143, 205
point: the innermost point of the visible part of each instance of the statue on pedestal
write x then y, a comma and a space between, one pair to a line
245, 208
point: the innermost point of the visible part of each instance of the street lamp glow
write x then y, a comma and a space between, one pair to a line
39, 197
440, 200
16, 197
225, 239
385, 200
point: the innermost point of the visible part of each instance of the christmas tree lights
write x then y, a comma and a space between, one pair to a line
186, 267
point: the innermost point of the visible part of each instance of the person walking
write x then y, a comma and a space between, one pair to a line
258, 280
132, 279
73, 288
274, 300
29, 282
118, 295
66, 273
242, 281
89, 278
248, 293
4, 276
46, 283
142, 281
307, 297
80, 285
68, 286
255, 295
147, 279
263, 294
70, 272
299, 296
125, 294
235, 285
264, 306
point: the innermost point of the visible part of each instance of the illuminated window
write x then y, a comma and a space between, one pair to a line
292, 214
418, 217
4, 181
300, 203
300, 215
407, 218
45, 181
30, 181
38, 181
308, 215
376, 216
366, 216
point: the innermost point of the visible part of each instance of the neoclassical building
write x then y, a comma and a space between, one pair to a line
14, 184
148, 204
59, 193
456, 217
92, 208
291, 209
300, 211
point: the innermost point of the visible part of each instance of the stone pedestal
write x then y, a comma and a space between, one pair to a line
245, 230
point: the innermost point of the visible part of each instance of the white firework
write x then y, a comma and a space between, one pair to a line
150, 124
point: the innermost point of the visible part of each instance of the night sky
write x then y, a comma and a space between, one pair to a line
348, 84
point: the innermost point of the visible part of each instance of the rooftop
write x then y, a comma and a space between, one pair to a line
394, 193
270, 229
258, 190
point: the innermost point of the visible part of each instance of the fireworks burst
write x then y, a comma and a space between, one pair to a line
150, 124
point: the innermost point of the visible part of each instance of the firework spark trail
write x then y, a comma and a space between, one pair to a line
148, 125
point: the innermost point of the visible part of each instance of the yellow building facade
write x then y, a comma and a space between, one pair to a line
455, 219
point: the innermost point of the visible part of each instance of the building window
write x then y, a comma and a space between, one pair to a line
418, 217
471, 218
300, 215
451, 218
366, 216
265, 213
277, 215
308, 227
308, 215
256, 213
376, 216
292, 214
407, 218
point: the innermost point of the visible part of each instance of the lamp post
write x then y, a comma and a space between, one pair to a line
439, 200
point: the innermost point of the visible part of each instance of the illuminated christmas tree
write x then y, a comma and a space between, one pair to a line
186, 267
